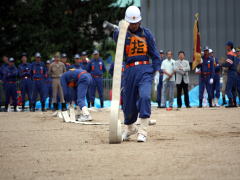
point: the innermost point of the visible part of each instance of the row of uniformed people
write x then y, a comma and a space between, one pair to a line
34, 78
209, 71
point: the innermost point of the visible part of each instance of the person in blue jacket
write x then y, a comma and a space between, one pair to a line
25, 75
39, 74
48, 89
159, 87
5, 63
77, 61
231, 64
96, 68
138, 75
10, 74
79, 80
206, 77
64, 60
84, 64
216, 79
238, 73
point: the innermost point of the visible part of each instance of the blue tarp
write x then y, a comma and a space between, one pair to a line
193, 97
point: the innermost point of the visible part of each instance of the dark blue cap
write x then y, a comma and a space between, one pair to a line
24, 54
11, 59
48, 62
206, 48
95, 52
64, 55
229, 43
84, 53
38, 55
76, 56
161, 52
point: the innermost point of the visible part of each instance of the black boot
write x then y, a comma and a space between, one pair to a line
64, 108
200, 103
6, 108
92, 104
230, 103
159, 105
15, 108
33, 107
55, 106
210, 102
43, 107
234, 102
23, 108
102, 105
224, 101
89, 105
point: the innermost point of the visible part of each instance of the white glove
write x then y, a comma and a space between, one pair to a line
197, 70
211, 81
156, 80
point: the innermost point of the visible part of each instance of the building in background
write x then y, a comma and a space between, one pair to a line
171, 22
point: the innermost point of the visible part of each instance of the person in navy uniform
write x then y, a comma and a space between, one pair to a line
96, 67
159, 87
138, 75
10, 74
5, 63
48, 89
79, 81
39, 74
64, 60
84, 64
25, 75
238, 72
231, 64
77, 61
206, 77
216, 79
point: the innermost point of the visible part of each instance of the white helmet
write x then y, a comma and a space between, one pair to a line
133, 14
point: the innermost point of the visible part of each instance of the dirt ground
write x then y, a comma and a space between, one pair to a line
184, 144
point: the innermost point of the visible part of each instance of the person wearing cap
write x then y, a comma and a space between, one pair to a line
10, 74
231, 64
96, 68
84, 64
25, 75
206, 76
138, 75
55, 71
238, 73
5, 63
39, 74
64, 61
75, 83
77, 61
48, 89
160, 83
216, 79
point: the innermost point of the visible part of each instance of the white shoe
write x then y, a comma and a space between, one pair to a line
141, 138
85, 118
129, 132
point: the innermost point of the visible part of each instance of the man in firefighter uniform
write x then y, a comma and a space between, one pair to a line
138, 75
231, 64
25, 81
206, 77
77, 61
216, 79
96, 67
10, 74
48, 88
64, 60
5, 63
160, 83
78, 80
84, 64
39, 74
238, 73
